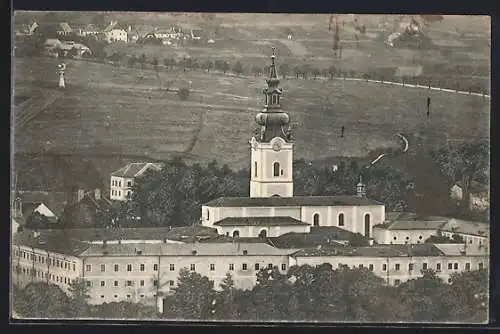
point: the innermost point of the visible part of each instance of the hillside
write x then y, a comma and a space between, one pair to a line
110, 110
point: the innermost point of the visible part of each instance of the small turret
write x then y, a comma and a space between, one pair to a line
360, 188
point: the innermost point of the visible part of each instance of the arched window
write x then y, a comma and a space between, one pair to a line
275, 99
341, 219
255, 168
276, 168
236, 234
263, 234
208, 214
316, 219
367, 225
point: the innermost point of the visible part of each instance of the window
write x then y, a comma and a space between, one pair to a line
74, 267
231, 266
275, 99
88, 267
171, 283
316, 219
193, 267
155, 282
450, 266
370, 267
397, 282
141, 282
129, 283
283, 266
276, 169
142, 267
172, 267
270, 266
480, 266
103, 267
116, 296
395, 238
257, 266
410, 266
116, 267
255, 169
367, 225
341, 219
103, 283
208, 214
89, 284
155, 267
467, 266
102, 296
438, 267
424, 266
57, 261
384, 267
129, 267
128, 296
65, 280
236, 234
361, 266
244, 266
65, 265
129, 184
263, 234
115, 283
212, 267
455, 266
396, 266
420, 237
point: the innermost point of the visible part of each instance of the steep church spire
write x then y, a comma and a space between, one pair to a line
272, 120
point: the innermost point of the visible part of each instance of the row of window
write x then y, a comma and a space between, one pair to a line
119, 192
276, 169
128, 296
117, 183
44, 275
411, 266
128, 283
142, 267
42, 259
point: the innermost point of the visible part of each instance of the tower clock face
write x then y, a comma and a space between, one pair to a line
277, 146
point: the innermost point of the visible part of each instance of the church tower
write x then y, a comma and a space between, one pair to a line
272, 147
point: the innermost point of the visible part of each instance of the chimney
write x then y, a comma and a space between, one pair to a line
360, 188
79, 195
97, 194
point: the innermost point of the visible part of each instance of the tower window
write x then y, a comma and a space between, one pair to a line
275, 99
255, 168
316, 219
341, 219
276, 168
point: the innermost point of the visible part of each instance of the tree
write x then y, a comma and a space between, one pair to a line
256, 70
467, 162
79, 295
124, 310
332, 70
142, 60
41, 300
226, 307
183, 93
132, 60
208, 65
238, 68
441, 239
192, 297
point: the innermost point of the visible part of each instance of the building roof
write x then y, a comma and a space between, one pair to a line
412, 225
475, 187
55, 201
296, 201
458, 249
195, 249
51, 240
467, 227
373, 251
65, 27
259, 221
136, 169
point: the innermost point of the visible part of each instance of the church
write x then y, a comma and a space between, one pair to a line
272, 209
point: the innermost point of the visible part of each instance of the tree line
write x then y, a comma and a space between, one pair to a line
174, 196
304, 293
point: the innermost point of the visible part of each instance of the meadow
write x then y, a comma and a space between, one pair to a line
108, 110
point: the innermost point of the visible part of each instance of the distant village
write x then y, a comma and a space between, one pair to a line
114, 32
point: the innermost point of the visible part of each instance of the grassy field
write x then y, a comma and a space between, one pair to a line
218, 119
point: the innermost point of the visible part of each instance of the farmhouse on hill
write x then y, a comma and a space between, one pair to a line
123, 179
116, 33
64, 29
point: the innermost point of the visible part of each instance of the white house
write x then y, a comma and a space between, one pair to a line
474, 233
115, 33
64, 29
123, 179
479, 195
